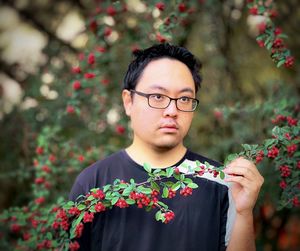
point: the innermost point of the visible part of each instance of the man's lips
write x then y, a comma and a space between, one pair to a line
169, 127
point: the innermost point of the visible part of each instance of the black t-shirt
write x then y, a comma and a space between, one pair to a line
201, 220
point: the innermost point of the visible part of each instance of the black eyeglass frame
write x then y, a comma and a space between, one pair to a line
147, 95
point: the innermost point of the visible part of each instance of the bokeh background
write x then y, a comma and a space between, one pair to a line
41, 44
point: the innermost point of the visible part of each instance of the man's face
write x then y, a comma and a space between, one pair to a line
161, 129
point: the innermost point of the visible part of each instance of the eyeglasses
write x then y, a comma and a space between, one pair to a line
161, 101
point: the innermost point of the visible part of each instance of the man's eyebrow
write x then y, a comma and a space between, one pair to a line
158, 87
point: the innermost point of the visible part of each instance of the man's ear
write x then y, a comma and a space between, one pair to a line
127, 101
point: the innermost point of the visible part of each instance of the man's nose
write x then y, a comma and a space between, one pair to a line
171, 110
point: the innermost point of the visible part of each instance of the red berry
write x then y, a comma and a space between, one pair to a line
70, 109
273, 152
39, 200
171, 194
262, 27
91, 58
253, 11
74, 211
277, 31
76, 85
186, 191
283, 184
80, 158
111, 11
99, 207
169, 216
39, 150
93, 26
291, 149
107, 31
76, 69
78, 230
160, 6
278, 43
89, 75
74, 246
120, 129
182, 7
88, 217
160, 38
289, 61
285, 171
176, 170
39, 180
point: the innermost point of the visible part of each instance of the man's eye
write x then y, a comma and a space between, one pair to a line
157, 97
184, 99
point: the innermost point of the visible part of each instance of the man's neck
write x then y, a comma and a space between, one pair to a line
157, 158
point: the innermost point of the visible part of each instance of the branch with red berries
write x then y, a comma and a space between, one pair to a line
270, 36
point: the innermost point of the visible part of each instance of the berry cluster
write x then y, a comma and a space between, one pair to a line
171, 193
291, 149
285, 171
62, 220
79, 230
121, 203
168, 216
88, 217
281, 118
273, 152
186, 191
99, 207
140, 198
259, 157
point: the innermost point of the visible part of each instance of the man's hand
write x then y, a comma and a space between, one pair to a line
247, 182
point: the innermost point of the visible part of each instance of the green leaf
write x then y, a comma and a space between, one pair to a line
192, 185
127, 191
162, 204
247, 147
187, 180
91, 197
154, 186
169, 171
106, 188
222, 175
114, 200
158, 215
130, 201
122, 185
280, 63
147, 167
75, 223
49, 236
269, 142
169, 183
165, 192
176, 186
81, 207
144, 190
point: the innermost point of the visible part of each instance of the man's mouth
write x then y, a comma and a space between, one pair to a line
169, 127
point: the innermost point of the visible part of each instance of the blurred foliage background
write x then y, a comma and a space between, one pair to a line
42, 40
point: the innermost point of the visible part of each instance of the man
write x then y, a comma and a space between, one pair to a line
159, 96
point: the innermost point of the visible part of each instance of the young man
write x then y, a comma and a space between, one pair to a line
159, 96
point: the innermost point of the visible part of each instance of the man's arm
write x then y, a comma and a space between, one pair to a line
246, 184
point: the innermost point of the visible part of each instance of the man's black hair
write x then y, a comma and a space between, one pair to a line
144, 57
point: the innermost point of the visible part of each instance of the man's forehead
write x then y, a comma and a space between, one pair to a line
160, 87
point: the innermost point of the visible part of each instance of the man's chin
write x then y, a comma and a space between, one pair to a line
166, 146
